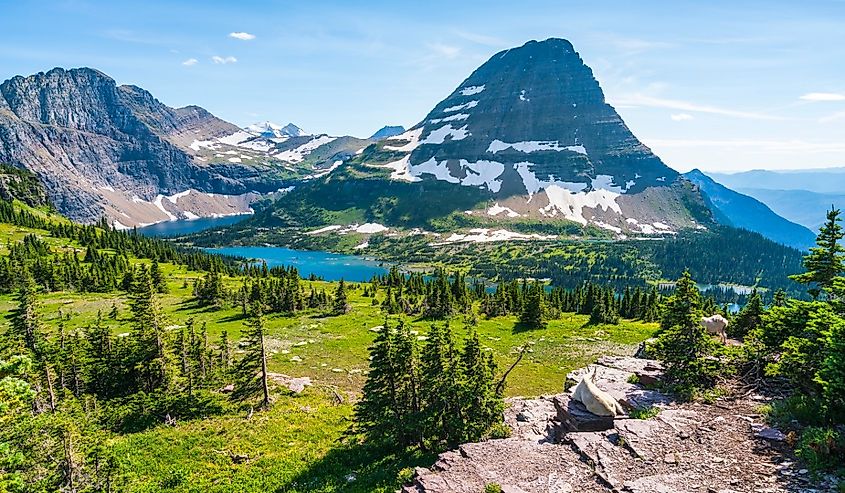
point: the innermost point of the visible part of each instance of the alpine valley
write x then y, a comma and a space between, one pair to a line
523, 161
514, 294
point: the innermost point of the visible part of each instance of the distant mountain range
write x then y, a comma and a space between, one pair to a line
735, 209
801, 196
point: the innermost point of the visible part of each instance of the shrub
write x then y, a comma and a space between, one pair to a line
822, 449
644, 412
492, 488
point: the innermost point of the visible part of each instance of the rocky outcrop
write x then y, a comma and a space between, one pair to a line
683, 448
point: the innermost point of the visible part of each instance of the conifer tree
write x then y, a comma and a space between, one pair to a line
683, 344
826, 261
225, 350
482, 405
150, 356
25, 324
252, 368
442, 416
340, 305
378, 414
157, 278
831, 375
533, 307
749, 318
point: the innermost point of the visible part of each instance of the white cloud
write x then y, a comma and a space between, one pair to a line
822, 96
190, 62
634, 100
219, 60
483, 39
242, 36
446, 51
832, 118
680, 117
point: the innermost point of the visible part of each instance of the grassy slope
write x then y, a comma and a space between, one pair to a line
294, 447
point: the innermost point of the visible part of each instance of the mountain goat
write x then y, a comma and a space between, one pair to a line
716, 325
595, 399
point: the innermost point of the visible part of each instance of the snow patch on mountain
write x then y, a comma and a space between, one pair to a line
485, 235
571, 204
236, 138
472, 90
438, 169
412, 136
534, 146
459, 107
497, 209
298, 154
439, 136
533, 184
401, 169
452, 118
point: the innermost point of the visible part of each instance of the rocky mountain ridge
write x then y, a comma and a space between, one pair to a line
103, 149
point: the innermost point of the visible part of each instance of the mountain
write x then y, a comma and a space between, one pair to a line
819, 180
735, 209
801, 196
527, 137
103, 149
799, 206
270, 130
387, 131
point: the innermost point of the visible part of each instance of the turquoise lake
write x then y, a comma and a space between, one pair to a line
329, 266
185, 226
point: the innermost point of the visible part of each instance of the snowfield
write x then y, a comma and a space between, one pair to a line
534, 146
485, 235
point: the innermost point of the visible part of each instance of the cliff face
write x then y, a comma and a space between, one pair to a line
84, 135
532, 128
538, 111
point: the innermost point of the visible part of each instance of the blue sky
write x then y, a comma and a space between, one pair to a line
719, 85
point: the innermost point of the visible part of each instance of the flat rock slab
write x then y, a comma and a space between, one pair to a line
514, 464
532, 419
573, 416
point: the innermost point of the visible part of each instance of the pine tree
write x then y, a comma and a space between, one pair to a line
826, 261
482, 405
683, 344
378, 413
252, 368
340, 304
25, 324
442, 415
150, 356
831, 376
225, 350
157, 278
534, 307
749, 318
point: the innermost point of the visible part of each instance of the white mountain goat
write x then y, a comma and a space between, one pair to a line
595, 399
716, 325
